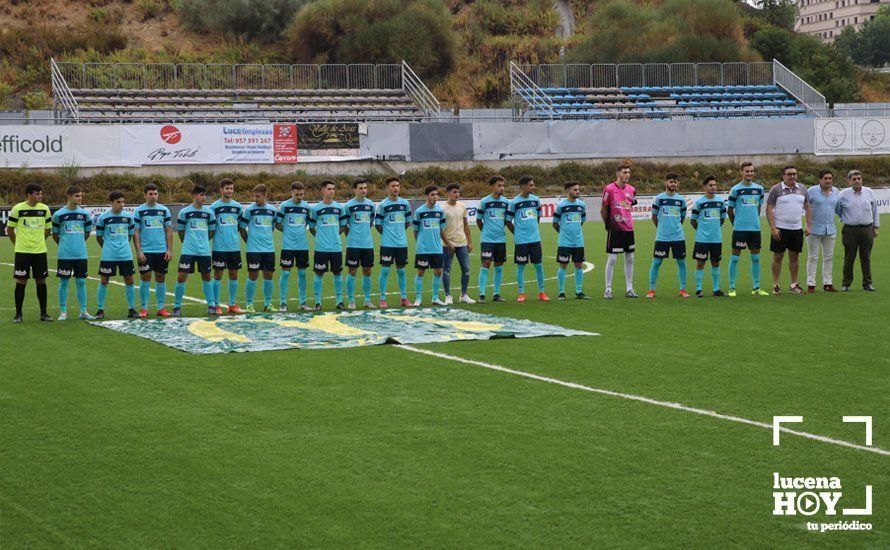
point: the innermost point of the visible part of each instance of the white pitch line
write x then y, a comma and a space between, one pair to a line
135, 281
647, 400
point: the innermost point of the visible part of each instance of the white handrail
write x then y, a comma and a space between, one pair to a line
414, 86
524, 87
797, 87
62, 92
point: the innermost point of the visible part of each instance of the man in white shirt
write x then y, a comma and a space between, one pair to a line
858, 209
457, 231
786, 204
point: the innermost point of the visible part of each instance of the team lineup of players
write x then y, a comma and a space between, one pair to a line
212, 238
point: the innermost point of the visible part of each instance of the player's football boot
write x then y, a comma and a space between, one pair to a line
795, 289
132, 314
177, 312
542, 296
370, 305
217, 310
282, 308
383, 304
581, 296
416, 303
235, 310
498, 298
163, 312
249, 309
631, 294
211, 311
438, 302
86, 316
561, 297
481, 299
828, 288
340, 306
731, 293
759, 292
521, 297
650, 294
719, 294
405, 302
143, 313
63, 316
100, 314
351, 304
777, 290
317, 307
684, 294
268, 308
305, 307
698, 294
811, 289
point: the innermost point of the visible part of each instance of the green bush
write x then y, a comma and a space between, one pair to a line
262, 20
383, 31
35, 100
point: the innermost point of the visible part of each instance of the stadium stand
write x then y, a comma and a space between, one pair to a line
138, 93
716, 90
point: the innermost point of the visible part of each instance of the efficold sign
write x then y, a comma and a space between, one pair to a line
36, 146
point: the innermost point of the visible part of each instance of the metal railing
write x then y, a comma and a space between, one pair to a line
414, 86
800, 90
217, 76
607, 75
64, 104
529, 92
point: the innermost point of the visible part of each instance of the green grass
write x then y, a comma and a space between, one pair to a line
112, 440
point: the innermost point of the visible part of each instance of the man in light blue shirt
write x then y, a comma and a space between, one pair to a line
823, 200
523, 215
568, 220
743, 209
71, 229
257, 228
668, 215
153, 240
293, 222
392, 219
491, 217
226, 244
857, 207
359, 242
708, 215
195, 224
114, 230
429, 237
327, 220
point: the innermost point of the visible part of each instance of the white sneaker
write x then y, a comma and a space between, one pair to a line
282, 308
370, 305
607, 294
63, 316
351, 304
449, 301
417, 302
305, 307
466, 299
438, 302
86, 316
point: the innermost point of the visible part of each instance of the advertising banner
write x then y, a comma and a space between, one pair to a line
852, 136
36, 146
284, 149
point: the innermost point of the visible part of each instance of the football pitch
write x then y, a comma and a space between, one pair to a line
112, 440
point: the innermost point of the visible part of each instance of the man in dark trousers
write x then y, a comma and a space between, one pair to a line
858, 209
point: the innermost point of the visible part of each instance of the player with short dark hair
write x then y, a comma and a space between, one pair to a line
457, 229
195, 225
619, 198
114, 230
429, 238
359, 241
523, 215
491, 217
226, 253
568, 221
28, 225
668, 215
708, 215
743, 209
392, 219
257, 227
327, 220
153, 241
71, 229
293, 222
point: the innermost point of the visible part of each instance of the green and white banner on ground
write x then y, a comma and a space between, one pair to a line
278, 331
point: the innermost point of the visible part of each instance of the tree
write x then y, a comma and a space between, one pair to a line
870, 46
781, 13
773, 43
263, 20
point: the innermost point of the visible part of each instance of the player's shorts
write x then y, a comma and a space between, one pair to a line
227, 260
702, 251
495, 252
789, 239
294, 258
393, 255
746, 239
260, 261
154, 261
564, 254
27, 264
429, 261
618, 242
68, 268
187, 263
359, 256
677, 249
324, 261
110, 268
528, 252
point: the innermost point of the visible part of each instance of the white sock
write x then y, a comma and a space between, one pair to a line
629, 270
610, 269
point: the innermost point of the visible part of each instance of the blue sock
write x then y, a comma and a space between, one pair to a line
161, 295
437, 280
755, 269
579, 280
338, 287
250, 291
418, 287
207, 287
350, 287
483, 280
681, 272
715, 277
179, 292
403, 282
734, 269
520, 277
100, 296
699, 277
382, 280
653, 272
144, 293
130, 293
301, 284
81, 290
283, 282
233, 291
317, 283
366, 287
539, 275
63, 294
217, 288
561, 279
498, 276
268, 288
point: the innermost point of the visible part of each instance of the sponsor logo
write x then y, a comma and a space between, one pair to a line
487, 254
661, 253
185, 265
386, 258
521, 258
321, 267
253, 265
170, 134
701, 255
741, 244
105, 270
422, 263
562, 259
21, 272
13, 143
219, 264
